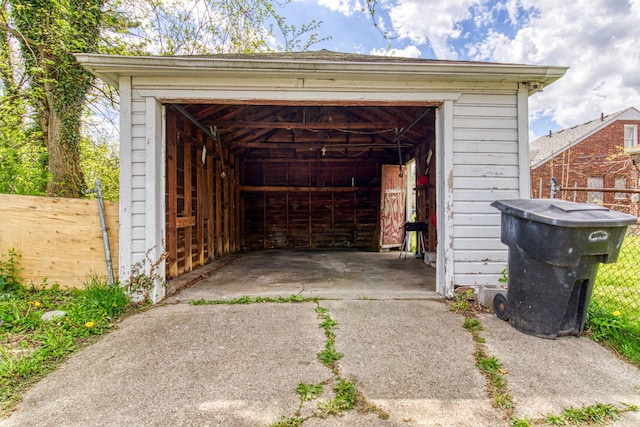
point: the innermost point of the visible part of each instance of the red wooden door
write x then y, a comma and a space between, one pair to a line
392, 206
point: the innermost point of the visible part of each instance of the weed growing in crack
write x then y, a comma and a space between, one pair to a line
496, 382
461, 302
288, 422
597, 414
309, 391
488, 366
256, 300
328, 323
329, 356
347, 396
472, 324
345, 399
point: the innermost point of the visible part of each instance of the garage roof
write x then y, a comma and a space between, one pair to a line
247, 125
110, 67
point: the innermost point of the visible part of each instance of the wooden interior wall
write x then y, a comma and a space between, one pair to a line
202, 215
308, 203
252, 188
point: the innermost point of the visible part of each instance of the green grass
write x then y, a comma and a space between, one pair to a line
614, 330
617, 286
614, 313
246, 299
598, 414
30, 348
491, 368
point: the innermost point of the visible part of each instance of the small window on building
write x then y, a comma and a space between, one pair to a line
630, 136
621, 183
595, 196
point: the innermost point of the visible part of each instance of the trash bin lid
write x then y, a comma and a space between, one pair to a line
563, 213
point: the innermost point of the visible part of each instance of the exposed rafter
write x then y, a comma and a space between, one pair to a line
245, 128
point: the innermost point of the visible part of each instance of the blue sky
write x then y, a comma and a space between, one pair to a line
597, 39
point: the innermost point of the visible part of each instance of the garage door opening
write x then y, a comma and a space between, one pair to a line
258, 176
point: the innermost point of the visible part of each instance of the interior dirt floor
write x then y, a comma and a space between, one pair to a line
332, 273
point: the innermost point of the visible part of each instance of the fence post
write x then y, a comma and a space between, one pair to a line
105, 233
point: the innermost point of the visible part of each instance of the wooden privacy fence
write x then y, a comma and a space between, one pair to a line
59, 240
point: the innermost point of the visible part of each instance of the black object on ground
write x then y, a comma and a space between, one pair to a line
555, 249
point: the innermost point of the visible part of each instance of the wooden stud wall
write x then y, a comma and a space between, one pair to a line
202, 214
309, 203
271, 196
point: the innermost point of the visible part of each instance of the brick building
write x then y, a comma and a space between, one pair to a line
602, 154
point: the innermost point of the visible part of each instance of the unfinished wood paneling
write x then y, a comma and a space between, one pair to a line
254, 217
201, 205
45, 231
368, 206
275, 220
322, 220
172, 196
218, 209
310, 202
188, 195
211, 236
226, 208
259, 191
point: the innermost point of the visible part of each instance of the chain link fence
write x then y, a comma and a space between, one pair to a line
617, 287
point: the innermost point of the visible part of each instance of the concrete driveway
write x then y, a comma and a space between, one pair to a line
406, 352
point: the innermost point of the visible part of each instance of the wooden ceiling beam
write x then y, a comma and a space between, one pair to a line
231, 126
311, 145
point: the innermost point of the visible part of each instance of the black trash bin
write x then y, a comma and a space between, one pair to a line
555, 248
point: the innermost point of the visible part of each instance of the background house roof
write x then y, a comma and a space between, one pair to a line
546, 147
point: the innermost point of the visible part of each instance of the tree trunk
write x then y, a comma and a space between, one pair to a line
66, 176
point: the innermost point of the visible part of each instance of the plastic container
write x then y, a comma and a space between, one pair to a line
555, 249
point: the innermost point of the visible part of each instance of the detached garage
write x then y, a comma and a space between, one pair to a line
225, 153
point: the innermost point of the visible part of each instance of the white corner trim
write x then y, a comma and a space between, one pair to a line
155, 190
445, 273
125, 247
523, 142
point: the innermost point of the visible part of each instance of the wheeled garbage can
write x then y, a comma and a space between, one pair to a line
555, 249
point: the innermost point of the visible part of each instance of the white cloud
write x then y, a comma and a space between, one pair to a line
511, 6
408, 52
600, 44
435, 22
346, 7
597, 40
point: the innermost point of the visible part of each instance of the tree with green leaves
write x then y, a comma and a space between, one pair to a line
51, 88
48, 32
199, 27
22, 156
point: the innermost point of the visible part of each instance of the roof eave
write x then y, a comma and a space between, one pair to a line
110, 68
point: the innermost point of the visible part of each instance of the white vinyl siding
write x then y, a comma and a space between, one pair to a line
138, 178
134, 213
486, 168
